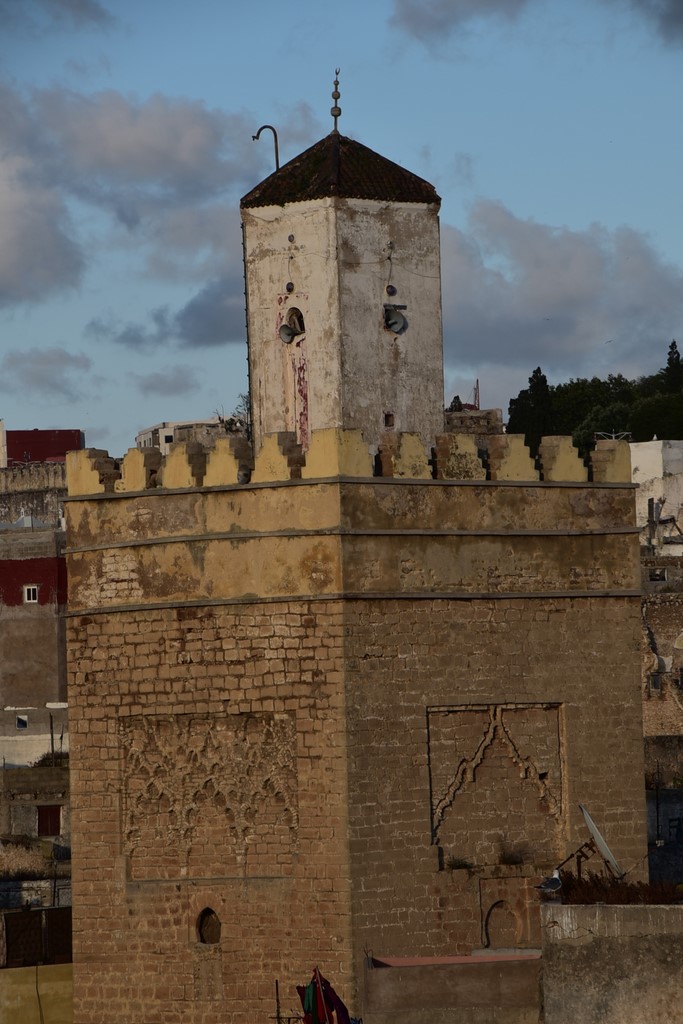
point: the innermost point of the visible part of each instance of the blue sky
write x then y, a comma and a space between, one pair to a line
550, 128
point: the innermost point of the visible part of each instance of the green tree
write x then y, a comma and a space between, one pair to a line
531, 413
672, 373
658, 416
615, 417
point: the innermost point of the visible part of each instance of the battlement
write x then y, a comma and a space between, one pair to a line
342, 453
33, 476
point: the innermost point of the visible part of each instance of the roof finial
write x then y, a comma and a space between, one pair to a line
336, 109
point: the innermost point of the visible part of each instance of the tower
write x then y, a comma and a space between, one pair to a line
343, 296
349, 704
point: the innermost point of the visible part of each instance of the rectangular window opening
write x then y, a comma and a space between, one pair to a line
49, 820
30, 593
21, 721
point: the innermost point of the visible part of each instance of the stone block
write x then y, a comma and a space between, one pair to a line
336, 452
611, 462
91, 471
139, 470
509, 458
457, 458
560, 460
403, 455
184, 466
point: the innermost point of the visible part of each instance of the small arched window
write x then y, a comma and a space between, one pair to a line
293, 325
209, 927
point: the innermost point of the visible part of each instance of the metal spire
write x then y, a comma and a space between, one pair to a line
336, 109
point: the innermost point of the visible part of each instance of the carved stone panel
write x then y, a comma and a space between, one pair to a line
496, 783
209, 795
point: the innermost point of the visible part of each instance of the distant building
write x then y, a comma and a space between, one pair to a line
33, 710
163, 435
657, 468
34, 737
18, 447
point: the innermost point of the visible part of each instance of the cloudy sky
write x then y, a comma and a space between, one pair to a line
551, 129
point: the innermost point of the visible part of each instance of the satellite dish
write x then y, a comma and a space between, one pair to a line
394, 320
601, 844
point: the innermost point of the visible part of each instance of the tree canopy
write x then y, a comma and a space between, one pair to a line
644, 408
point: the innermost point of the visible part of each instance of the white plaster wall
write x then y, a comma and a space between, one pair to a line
310, 263
383, 372
658, 469
346, 370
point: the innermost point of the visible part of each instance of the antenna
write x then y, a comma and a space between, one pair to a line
601, 845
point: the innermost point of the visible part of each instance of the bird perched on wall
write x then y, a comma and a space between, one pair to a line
550, 886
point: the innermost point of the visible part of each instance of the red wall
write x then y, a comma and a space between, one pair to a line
41, 445
48, 573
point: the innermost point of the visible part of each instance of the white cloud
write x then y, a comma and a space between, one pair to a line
518, 294
46, 372
430, 20
171, 380
36, 16
38, 254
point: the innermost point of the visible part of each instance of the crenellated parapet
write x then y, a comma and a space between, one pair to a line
336, 453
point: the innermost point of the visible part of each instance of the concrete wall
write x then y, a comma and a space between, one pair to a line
37, 490
32, 645
40, 995
658, 471
663, 707
299, 701
483, 989
22, 790
616, 965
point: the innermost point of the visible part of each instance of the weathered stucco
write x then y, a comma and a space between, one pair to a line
346, 369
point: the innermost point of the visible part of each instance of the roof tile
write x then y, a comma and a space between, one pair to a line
338, 166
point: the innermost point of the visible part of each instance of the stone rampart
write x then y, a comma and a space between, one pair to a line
333, 453
343, 703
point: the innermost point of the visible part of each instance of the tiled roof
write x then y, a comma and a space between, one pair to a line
337, 166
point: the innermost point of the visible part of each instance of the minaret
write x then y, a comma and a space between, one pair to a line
343, 288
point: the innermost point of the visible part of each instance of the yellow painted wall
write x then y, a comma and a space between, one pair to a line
21, 999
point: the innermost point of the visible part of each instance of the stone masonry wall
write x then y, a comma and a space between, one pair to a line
468, 759
340, 710
200, 779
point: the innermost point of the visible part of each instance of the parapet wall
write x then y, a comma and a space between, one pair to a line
615, 964
335, 453
34, 476
200, 525
37, 489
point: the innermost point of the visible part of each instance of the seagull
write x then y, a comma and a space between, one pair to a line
549, 886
